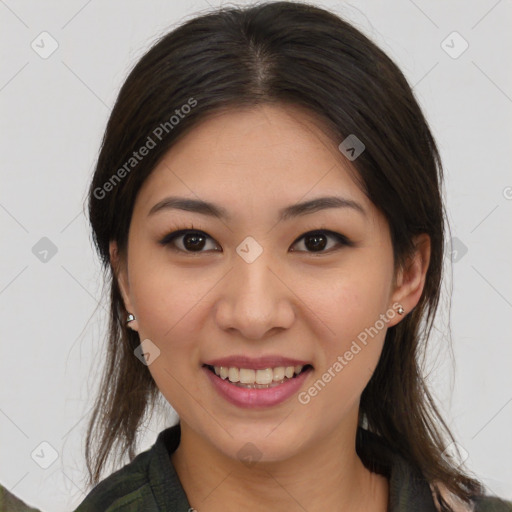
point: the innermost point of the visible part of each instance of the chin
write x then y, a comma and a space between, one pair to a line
261, 444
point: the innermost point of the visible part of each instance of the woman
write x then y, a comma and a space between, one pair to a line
267, 205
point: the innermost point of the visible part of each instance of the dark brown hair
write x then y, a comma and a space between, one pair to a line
296, 54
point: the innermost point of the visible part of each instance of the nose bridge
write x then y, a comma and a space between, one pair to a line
255, 276
256, 281
255, 301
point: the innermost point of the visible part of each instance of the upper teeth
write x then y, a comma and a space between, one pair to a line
249, 376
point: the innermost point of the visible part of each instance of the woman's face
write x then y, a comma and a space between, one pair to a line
251, 292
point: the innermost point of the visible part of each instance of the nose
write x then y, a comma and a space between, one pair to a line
255, 301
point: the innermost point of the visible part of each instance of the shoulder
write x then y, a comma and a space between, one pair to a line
148, 483
482, 503
11, 503
492, 504
126, 489
408, 487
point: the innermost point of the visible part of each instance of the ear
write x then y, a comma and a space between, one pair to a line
120, 273
410, 278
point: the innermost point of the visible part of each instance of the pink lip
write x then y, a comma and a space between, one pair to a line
252, 398
256, 363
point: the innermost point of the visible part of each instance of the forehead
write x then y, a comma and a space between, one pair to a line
254, 156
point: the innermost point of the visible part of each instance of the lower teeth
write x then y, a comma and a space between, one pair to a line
258, 386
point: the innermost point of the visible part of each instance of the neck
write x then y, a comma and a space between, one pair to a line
327, 476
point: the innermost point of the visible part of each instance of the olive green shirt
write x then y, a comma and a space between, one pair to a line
150, 483
10, 503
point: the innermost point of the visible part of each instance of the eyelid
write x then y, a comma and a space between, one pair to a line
329, 232
177, 232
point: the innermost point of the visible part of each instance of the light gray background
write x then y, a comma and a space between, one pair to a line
54, 112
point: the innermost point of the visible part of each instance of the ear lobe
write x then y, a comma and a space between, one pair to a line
121, 275
410, 279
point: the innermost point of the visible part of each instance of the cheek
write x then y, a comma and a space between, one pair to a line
165, 298
347, 364
352, 300
357, 314
167, 307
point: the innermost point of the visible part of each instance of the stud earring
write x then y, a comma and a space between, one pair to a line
130, 318
400, 310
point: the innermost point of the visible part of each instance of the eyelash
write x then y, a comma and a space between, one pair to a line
342, 240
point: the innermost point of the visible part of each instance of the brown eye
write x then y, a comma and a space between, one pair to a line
186, 240
316, 241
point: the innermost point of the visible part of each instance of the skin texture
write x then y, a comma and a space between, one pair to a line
291, 301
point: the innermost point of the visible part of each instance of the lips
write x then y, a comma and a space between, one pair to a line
257, 382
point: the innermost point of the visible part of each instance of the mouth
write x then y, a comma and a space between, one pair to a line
262, 378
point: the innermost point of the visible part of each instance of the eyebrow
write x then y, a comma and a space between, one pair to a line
292, 211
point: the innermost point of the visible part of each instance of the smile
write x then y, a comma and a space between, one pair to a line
261, 387
257, 379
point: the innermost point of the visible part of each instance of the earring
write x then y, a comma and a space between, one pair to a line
130, 318
400, 310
